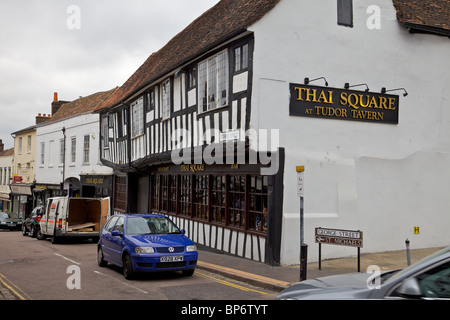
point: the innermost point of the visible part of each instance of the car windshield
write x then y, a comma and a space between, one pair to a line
150, 225
8, 215
424, 260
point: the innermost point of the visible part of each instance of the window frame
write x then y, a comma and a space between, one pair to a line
73, 149
195, 197
86, 150
42, 153
345, 13
137, 118
213, 79
166, 98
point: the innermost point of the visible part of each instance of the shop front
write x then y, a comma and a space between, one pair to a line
5, 202
231, 208
44, 191
22, 199
96, 186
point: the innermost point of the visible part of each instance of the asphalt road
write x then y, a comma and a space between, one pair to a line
40, 270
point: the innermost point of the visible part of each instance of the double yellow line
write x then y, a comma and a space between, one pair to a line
229, 283
15, 290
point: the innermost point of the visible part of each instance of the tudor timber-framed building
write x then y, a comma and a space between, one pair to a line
188, 97
242, 67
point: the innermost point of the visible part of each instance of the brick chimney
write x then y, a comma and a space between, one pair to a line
1, 146
42, 118
56, 104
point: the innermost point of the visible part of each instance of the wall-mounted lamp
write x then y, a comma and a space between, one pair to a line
307, 81
347, 86
383, 90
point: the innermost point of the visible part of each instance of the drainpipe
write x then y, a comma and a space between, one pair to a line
64, 159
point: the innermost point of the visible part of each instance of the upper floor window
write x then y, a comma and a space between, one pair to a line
192, 77
165, 99
241, 58
86, 145
20, 145
345, 13
61, 151
105, 132
29, 144
137, 118
151, 100
213, 82
73, 149
42, 152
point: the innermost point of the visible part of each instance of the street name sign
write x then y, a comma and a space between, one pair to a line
351, 238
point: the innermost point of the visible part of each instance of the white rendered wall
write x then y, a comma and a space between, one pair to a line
78, 126
382, 179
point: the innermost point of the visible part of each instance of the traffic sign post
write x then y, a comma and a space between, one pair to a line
350, 238
303, 247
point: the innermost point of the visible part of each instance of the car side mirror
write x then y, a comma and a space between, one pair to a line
183, 231
410, 289
116, 233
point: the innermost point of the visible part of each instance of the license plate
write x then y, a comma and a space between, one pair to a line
171, 259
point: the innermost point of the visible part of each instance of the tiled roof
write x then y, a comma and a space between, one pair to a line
223, 21
424, 15
231, 17
80, 106
6, 153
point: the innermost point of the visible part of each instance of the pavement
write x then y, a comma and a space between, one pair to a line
277, 278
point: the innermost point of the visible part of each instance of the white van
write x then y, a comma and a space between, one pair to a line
66, 217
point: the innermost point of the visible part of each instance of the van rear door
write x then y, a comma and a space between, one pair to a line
51, 216
104, 212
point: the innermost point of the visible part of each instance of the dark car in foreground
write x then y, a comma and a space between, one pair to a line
427, 279
145, 243
10, 220
31, 224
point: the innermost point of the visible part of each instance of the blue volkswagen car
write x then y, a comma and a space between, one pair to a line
145, 242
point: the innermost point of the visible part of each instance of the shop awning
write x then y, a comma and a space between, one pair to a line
4, 196
25, 190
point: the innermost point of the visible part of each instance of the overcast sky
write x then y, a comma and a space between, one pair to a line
76, 48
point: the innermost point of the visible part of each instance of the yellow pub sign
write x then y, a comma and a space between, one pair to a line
342, 104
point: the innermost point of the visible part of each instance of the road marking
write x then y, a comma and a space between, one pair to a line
15, 290
229, 283
125, 283
60, 255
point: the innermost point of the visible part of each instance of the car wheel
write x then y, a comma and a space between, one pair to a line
128, 271
188, 273
40, 235
101, 262
24, 230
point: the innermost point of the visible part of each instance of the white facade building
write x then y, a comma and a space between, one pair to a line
382, 179
67, 151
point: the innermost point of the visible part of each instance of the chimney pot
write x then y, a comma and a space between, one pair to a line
55, 96
39, 114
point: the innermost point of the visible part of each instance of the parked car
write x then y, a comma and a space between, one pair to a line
10, 220
31, 224
146, 243
427, 279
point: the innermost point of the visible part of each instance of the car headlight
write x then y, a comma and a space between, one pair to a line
191, 248
144, 250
